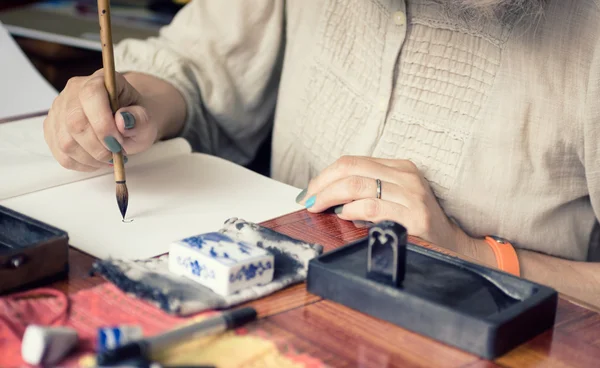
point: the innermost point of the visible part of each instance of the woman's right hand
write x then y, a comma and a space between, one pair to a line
82, 131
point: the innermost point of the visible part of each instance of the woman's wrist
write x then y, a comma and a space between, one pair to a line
477, 249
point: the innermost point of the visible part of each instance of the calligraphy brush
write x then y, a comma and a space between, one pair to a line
111, 86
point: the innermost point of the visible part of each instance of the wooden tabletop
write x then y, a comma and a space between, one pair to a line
342, 337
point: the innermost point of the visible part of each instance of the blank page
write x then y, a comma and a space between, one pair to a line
169, 200
28, 162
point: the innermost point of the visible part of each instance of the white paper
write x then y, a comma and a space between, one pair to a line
168, 200
27, 165
23, 90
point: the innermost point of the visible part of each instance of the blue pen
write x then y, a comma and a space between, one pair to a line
144, 348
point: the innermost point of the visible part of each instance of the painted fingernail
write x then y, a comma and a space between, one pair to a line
301, 196
338, 209
128, 119
112, 144
310, 202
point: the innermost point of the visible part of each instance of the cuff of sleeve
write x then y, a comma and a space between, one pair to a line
150, 58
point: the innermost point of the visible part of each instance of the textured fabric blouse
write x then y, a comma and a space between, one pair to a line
502, 118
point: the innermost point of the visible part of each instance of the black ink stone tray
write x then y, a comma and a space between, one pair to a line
32, 253
479, 310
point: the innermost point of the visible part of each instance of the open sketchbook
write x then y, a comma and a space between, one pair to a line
173, 193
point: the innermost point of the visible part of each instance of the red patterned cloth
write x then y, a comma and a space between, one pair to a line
86, 311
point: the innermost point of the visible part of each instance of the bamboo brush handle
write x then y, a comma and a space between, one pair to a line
108, 63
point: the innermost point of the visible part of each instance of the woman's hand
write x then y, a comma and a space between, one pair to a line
82, 132
349, 186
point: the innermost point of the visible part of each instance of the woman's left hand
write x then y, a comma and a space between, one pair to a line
349, 185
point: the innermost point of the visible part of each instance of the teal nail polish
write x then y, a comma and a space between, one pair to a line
112, 144
128, 119
301, 196
338, 209
310, 202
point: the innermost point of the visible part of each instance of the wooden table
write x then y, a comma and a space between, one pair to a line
342, 337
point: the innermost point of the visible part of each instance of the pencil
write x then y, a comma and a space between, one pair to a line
108, 63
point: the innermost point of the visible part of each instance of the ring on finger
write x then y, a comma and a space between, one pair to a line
378, 183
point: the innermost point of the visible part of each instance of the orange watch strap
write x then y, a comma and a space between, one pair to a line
505, 253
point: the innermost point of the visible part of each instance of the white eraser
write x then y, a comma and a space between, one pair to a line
47, 345
221, 263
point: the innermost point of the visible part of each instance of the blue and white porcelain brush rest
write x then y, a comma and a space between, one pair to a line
221, 263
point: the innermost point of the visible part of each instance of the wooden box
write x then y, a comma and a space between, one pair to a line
32, 253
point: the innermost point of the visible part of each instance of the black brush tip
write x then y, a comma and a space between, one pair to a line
122, 198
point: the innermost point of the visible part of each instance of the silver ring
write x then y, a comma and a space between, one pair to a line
378, 182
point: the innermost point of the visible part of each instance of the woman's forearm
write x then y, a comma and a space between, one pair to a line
580, 280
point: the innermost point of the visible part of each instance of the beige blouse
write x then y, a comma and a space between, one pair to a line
502, 118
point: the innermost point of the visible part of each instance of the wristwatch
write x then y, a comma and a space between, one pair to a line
505, 253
